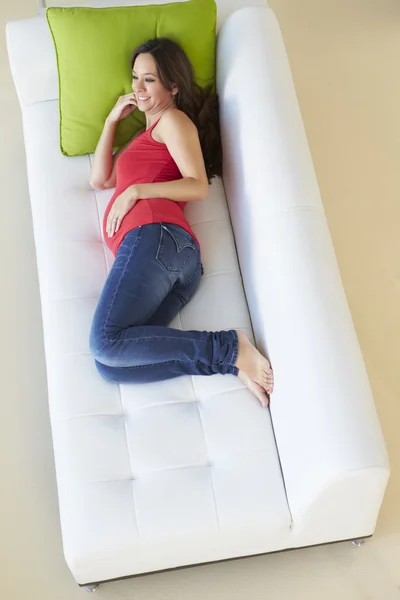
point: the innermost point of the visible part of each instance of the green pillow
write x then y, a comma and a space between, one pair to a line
94, 47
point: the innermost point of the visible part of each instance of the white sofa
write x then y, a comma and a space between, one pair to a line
182, 472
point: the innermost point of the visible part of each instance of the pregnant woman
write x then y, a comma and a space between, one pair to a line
157, 265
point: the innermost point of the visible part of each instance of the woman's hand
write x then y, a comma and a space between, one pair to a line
122, 205
124, 106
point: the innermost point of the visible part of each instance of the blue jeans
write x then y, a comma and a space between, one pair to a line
155, 273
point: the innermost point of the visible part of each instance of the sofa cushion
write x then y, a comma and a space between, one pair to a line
94, 48
150, 476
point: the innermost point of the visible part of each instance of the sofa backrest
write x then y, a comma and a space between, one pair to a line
326, 427
32, 55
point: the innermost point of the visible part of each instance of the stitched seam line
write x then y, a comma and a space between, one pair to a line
209, 468
160, 250
117, 288
167, 362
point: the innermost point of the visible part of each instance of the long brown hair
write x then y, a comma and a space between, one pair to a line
200, 104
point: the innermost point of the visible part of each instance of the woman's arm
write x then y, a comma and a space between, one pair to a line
181, 137
179, 190
103, 172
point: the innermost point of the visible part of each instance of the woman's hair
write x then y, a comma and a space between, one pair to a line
200, 105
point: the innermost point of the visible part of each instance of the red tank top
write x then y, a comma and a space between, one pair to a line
145, 161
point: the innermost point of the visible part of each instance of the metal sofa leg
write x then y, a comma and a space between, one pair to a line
92, 587
358, 542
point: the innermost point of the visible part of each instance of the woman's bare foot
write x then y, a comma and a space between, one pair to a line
254, 364
256, 389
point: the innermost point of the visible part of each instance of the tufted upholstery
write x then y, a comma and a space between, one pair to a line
157, 476
189, 464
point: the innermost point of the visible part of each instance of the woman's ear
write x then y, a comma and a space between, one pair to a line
174, 90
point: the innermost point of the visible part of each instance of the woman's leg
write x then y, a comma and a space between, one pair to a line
150, 262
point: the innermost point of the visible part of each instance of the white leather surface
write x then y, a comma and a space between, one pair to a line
329, 440
149, 476
36, 78
183, 472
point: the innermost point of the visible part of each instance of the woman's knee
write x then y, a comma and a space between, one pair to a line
107, 351
100, 347
103, 351
108, 373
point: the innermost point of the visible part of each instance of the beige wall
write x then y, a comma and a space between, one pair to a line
344, 56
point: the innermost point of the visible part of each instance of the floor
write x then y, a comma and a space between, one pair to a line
345, 62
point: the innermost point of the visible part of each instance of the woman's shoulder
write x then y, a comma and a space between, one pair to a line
172, 122
174, 117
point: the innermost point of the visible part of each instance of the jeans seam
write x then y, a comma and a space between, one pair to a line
185, 301
167, 362
192, 277
235, 347
153, 337
116, 290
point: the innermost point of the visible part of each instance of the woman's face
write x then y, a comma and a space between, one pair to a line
151, 95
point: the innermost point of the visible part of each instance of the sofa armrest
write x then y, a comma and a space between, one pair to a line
32, 60
332, 452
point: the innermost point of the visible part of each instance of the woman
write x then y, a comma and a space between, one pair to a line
157, 265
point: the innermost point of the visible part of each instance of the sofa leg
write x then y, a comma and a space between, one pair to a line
92, 587
358, 542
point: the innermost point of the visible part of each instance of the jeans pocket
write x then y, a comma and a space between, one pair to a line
175, 248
